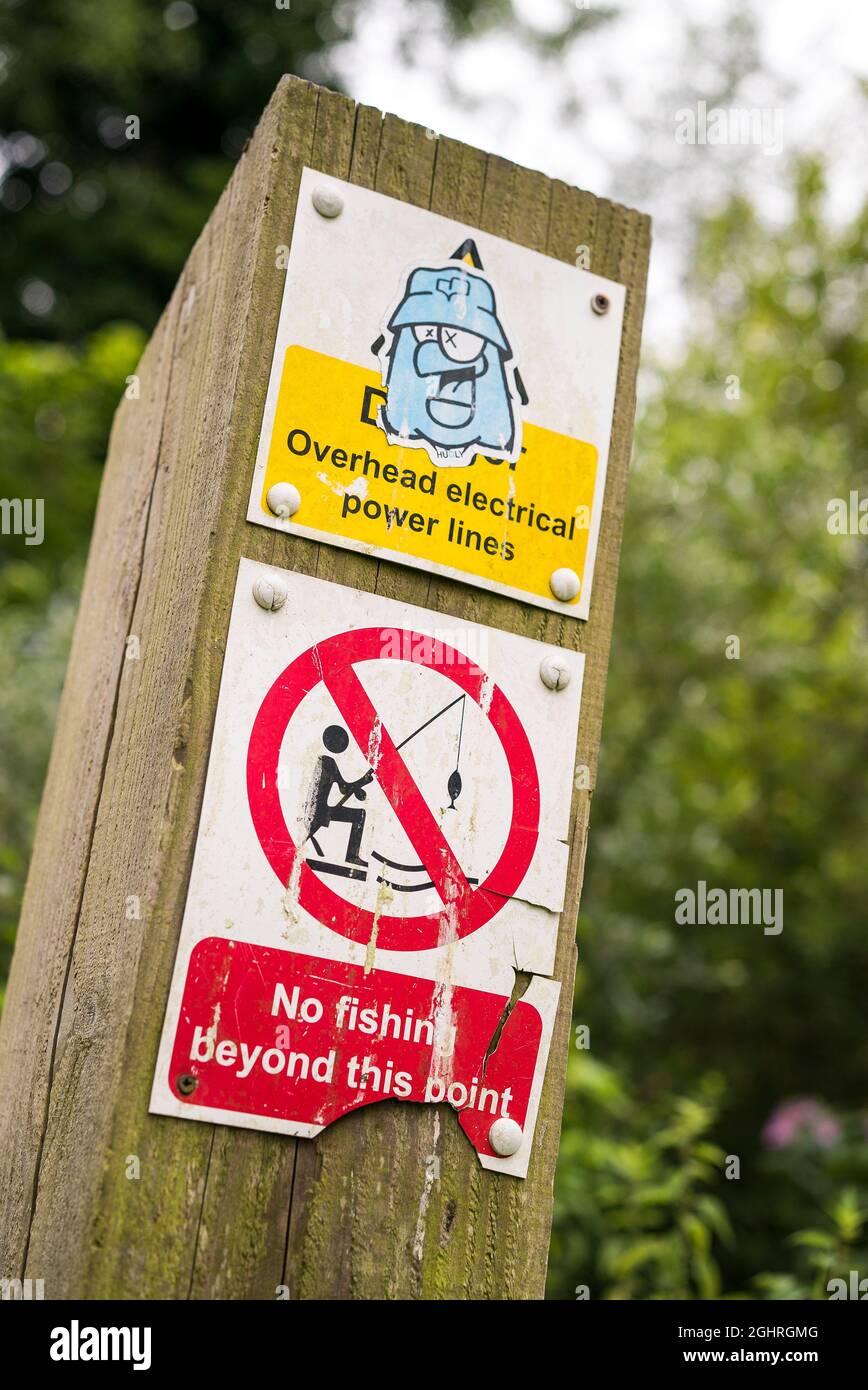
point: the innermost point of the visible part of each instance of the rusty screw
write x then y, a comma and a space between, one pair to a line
600, 303
186, 1084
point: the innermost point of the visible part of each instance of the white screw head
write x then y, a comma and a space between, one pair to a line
505, 1137
554, 672
327, 201
565, 584
284, 499
269, 592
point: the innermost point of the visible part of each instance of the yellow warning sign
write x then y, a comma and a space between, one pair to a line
439, 397
507, 524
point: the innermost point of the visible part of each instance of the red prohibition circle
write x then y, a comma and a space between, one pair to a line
465, 908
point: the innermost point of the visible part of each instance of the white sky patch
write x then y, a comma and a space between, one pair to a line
629, 77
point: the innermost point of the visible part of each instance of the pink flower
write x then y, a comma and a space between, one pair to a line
803, 1118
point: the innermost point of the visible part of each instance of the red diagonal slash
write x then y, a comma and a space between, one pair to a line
332, 661
397, 783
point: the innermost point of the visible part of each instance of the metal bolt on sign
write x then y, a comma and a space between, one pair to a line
554, 672
186, 1084
505, 1137
269, 592
327, 201
600, 303
284, 499
565, 584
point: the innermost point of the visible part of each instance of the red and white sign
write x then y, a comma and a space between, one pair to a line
463, 907
384, 836
320, 1038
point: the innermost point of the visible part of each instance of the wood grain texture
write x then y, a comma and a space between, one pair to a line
390, 1202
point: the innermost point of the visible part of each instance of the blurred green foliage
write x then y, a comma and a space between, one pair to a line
637, 1205
103, 219
56, 405
102, 212
830, 1252
744, 773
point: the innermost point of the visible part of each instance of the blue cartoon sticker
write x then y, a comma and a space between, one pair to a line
448, 369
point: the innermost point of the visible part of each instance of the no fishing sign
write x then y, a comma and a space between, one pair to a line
439, 396
382, 846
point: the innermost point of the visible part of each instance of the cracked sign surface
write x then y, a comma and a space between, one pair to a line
383, 844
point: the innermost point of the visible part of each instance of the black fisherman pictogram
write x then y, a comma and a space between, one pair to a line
336, 740
329, 777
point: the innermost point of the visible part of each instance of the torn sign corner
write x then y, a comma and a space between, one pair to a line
523, 1043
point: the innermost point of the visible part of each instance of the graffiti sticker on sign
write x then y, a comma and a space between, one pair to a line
448, 370
382, 847
439, 396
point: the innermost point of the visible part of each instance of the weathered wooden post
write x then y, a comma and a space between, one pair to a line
100, 1197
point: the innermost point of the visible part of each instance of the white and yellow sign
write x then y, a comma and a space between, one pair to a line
439, 397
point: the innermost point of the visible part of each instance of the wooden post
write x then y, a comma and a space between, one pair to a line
218, 1212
